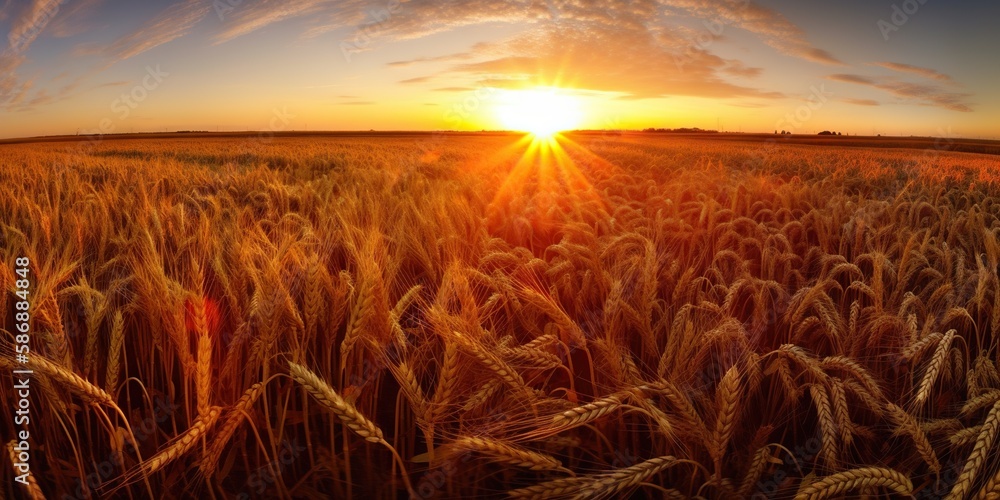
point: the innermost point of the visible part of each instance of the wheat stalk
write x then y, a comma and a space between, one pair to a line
183, 443
228, 428
908, 424
599, 485
332, 401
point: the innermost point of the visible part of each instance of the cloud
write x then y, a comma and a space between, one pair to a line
635, 48
445, 58
247, 18
174, 22
737, 68
419, 79
925, 95
25, 28
600, 56
71, 20
454, 89
31, 22
917, 70
861, 80
862, 102
772, 27
120, 83
358, 103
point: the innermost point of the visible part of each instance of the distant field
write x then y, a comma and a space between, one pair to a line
955, 144
482, 316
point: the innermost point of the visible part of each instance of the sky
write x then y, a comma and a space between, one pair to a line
890, 67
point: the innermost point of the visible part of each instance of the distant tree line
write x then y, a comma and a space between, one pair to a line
825, 132
684, 130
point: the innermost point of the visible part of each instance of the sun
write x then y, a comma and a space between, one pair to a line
541, 111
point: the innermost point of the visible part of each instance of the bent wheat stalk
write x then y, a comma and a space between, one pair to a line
601, 485
868, 477
184, 442
346, 412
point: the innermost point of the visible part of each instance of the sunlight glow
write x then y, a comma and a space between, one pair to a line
541, 111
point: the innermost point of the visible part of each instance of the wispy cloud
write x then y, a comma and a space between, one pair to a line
25, 28
73, 18
248, 18
444, 58
917, 70
771, 26
454, 89
848, 78
419, 79
174, 22
862, 102
927, 95
31, 22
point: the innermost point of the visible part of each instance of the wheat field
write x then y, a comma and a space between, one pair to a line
479, 316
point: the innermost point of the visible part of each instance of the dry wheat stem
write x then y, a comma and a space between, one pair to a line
183, 443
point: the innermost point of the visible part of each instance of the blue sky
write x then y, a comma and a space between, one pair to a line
808, 65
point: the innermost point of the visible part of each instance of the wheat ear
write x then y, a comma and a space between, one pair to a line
828, 448
983, 444
184, 442
598, 485
115, 352
229, 426
74, 382
726, 397
934, 367
909, 425
346, 412
868, 477
204, 373
31, 487
329, 398
509, 454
